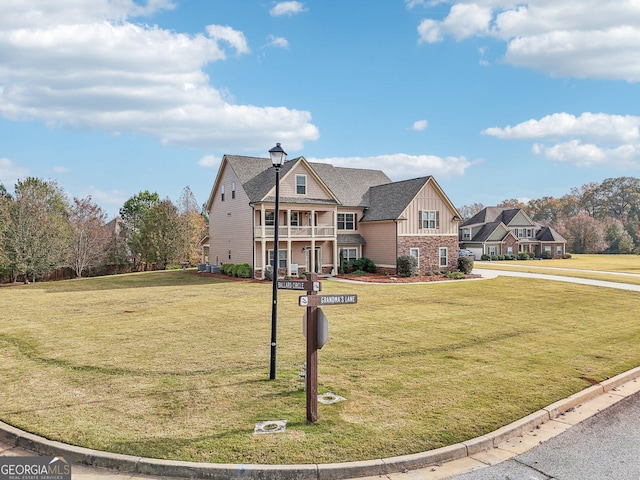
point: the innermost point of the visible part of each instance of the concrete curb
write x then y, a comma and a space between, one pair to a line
329, 471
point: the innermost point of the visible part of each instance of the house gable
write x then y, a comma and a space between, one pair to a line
520, 219
430, 198
301, 184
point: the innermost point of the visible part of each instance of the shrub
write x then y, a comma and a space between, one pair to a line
359, 273
268, 273
523, 256
363, 263
566, 255
407, 266
484, 256
494, 258
455, 275
243, 270
465, 264
547, 255
500, 257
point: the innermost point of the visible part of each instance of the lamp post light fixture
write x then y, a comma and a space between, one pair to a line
278, 156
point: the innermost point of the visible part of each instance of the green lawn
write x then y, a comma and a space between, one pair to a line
176, 365
619, 268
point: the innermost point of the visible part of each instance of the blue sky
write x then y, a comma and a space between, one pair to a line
495, 99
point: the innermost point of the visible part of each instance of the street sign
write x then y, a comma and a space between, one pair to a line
323, 300
307, 285
323, 327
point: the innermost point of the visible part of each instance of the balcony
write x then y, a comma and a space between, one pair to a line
295, 233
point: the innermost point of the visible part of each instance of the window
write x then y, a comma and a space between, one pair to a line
346, 221
547, 248
282, 258
295, 219
529, 232
415, 252
430, 219
466, 234
301, 184
558, 249
222, 193
269, 219
349, 254
233, 189
509, 250
492, 250
520, 232
443, 257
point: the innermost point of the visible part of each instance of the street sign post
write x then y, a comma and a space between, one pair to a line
316, 337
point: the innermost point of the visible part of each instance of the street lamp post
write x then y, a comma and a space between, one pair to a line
278, 156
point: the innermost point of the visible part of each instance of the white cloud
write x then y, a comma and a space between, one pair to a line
60, 169
590, 140
82, 64
581, 154
287, 8
110, 200
10, 173
209, 161
279, 42
590, 126
412, 3
401, 166
578, 38
419, 125
234, 38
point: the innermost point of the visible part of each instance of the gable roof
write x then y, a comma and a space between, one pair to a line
350, 185
347, 185
387, 202
492, 214
548, 234
489, 218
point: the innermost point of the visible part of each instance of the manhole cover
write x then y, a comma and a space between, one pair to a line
329, 398
271, 426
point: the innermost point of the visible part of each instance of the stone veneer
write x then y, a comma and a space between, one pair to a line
429, 251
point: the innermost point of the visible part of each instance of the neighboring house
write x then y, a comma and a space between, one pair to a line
507, 231
325, 212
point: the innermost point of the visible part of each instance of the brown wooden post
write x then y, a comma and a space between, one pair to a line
312, 356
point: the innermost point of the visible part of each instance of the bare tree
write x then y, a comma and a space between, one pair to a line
468, 211
193, 226
584, 234
89, 235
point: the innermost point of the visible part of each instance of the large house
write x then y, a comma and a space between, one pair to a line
327, 212
498, 231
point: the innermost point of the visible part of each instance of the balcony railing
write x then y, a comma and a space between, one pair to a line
285, 232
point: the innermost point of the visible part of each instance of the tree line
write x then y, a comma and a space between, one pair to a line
594, 218
43, 231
